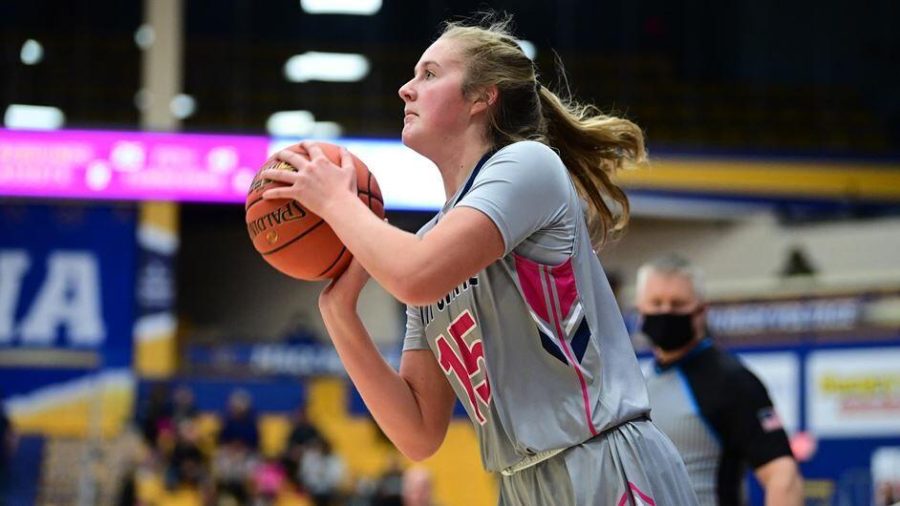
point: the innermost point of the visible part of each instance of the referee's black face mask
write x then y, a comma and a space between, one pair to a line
669, 331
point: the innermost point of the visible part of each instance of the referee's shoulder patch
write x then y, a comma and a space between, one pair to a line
769, 419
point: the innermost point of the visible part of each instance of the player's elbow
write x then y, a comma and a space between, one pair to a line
418, 454
418, 290
420, 449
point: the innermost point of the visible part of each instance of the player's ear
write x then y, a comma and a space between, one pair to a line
485, 99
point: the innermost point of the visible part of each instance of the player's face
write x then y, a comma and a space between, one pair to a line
671, 293
435, 110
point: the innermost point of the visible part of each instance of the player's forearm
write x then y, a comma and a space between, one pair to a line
386, 394
397, 259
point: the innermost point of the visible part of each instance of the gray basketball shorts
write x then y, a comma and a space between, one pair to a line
632, 464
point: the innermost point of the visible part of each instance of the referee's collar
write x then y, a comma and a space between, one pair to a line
704, 344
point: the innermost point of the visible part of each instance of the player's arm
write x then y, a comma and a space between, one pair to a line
412, 407
419, 271
415, 270
781, 480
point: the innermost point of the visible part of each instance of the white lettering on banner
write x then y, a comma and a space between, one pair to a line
69, 297
13, 265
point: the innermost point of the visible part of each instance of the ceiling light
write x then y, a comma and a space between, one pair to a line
359, 7
33, 117
528, 48
290, 123
182, 106
144, 36
333, 67
32, 52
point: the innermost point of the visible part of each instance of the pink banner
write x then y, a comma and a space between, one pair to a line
129, 165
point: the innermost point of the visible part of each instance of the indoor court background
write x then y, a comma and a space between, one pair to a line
127, 278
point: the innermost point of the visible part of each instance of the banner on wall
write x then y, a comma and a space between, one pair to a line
865, 315
66, 308
852, 317
854, 393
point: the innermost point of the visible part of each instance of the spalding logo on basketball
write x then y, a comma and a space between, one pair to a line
290, 237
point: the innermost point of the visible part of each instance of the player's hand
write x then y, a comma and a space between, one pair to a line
343, 291
317, 183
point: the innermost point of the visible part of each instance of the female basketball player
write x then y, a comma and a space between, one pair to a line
508, 305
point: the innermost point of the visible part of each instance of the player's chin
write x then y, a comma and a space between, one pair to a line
408, 137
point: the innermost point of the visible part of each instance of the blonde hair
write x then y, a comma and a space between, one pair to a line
593, 146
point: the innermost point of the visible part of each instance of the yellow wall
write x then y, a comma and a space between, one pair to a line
107, 405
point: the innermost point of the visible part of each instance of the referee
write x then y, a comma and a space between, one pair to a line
716, 411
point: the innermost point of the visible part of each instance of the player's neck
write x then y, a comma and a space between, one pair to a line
457, 163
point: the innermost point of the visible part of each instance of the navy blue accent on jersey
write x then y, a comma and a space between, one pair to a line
552, 348
580, 339
474, 174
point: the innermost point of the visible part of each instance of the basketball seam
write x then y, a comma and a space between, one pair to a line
372, 195
336, 260
310, 229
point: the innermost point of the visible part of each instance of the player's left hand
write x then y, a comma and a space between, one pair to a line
317, 182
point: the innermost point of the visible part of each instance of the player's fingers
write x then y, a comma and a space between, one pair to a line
346, 159
315, 152
280, 175
278, 193
295, 159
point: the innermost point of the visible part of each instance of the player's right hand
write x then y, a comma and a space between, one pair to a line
342, 293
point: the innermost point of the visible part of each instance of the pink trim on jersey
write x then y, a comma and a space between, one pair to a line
646, 499
564, 278
530, 281
557, 322
560, 291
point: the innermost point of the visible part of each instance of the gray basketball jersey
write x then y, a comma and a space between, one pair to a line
534, 345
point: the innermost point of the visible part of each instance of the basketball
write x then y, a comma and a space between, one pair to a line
291, 238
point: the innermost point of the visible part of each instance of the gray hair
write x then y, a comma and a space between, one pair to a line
669, 265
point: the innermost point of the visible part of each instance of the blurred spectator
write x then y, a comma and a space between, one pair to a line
716, 411
322, 472
187, 463
154, 416
233, 468
237, 456
302, 434
268, 480
302, 430
183, 406
389, 489
417, 487
239, 424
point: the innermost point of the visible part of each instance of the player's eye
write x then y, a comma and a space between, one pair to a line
429, 74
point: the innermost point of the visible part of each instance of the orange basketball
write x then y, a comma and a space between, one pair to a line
291, 238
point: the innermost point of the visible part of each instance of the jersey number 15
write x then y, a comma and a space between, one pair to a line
466, 364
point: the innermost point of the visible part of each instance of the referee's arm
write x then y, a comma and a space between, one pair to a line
782, 482
763, 442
